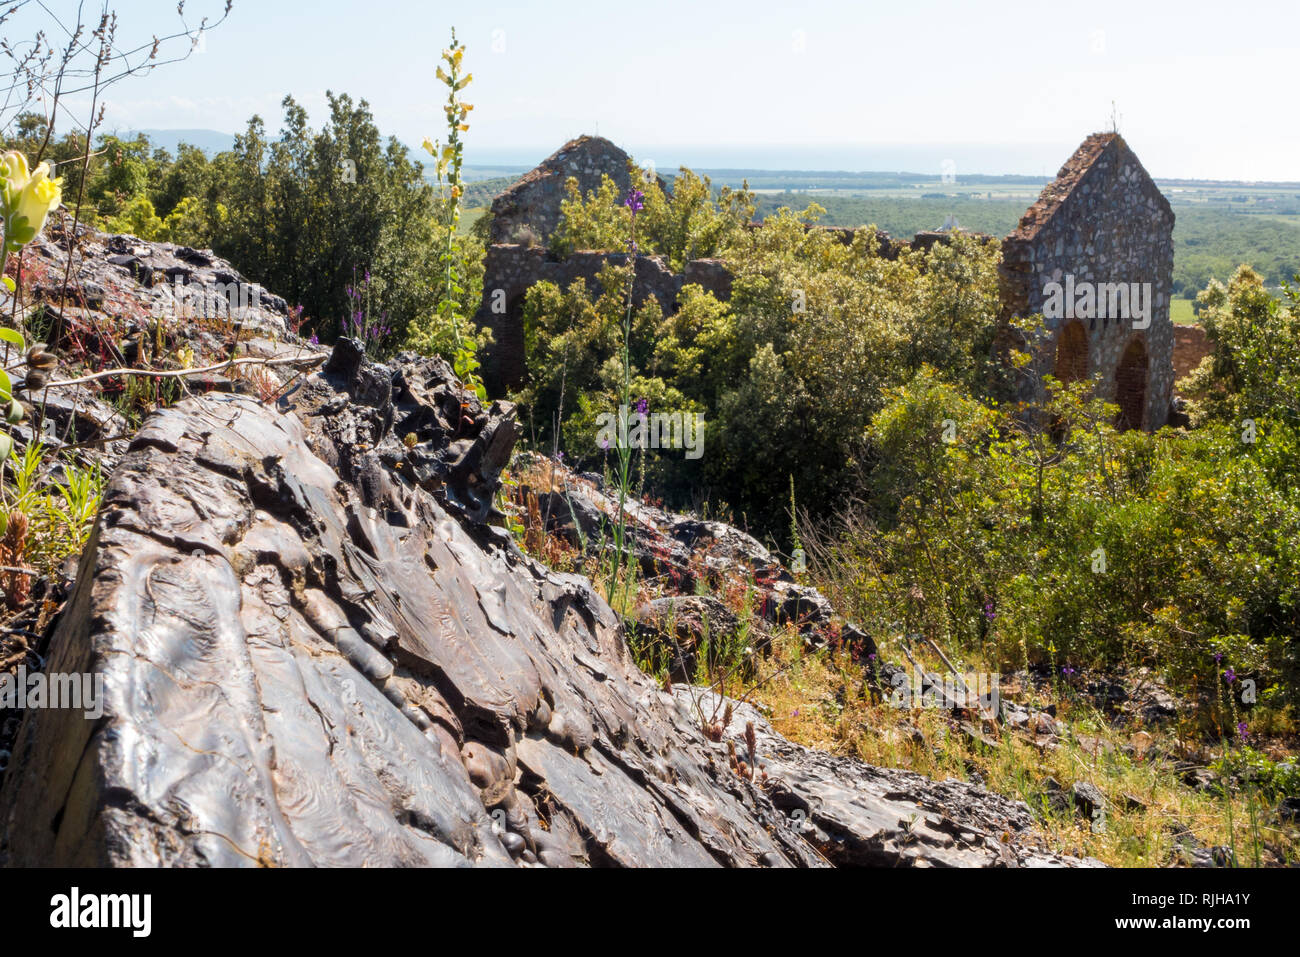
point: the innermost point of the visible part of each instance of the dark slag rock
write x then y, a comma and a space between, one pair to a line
314, 652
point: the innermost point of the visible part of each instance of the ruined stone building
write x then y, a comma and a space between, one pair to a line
530, 207
1094, 255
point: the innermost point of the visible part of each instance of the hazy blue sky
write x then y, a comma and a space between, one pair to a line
1205, 89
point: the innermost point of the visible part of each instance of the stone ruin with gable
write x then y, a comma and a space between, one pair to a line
1101, 226
1101, 230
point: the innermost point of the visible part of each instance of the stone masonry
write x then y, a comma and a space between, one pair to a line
511, 269
533, 201
1100, 223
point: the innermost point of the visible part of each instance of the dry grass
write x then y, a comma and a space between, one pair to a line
823, 700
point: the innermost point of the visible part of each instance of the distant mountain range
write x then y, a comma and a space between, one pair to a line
210, 141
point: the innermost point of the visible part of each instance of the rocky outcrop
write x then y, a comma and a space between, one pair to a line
685, 550
129, 302
317, 650
857, 815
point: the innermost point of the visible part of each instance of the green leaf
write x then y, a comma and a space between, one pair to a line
12, 336
6, 386
6, 446
15, 412
9, 283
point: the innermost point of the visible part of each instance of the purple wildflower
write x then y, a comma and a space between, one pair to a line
1218, 656
642, 407
1230, 676
635, 201
604, 443
989, 613
1067, 670
314, 340
1243, 730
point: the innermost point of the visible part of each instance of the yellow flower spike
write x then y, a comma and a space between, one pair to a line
460, 52
28, 199
13, 166
441, 74
429, 146
13, 177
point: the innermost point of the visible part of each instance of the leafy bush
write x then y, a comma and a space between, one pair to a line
296, 212
1103, 549
1254, 368
788, 373
689, 224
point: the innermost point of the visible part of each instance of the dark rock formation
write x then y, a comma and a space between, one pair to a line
858, 815
133, 302
684, 548
315, 652
681, 628
123, 274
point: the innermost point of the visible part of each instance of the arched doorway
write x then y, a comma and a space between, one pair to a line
1131, 386
1072, 353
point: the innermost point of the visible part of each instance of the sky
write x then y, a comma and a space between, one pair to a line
1199, 89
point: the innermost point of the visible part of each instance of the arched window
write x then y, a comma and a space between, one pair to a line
1072, 353
1131, 386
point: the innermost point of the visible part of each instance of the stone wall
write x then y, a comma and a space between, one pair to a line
532, 203
511, 269
1191, 345
1101, 221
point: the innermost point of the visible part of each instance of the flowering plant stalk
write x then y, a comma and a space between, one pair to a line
360, 322
448, 159
26, 198
635, 202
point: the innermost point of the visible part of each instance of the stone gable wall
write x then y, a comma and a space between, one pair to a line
533, 202
1103, 221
